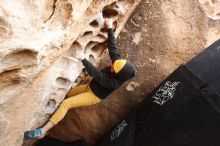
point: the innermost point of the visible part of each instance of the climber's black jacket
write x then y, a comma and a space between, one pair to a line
104, 82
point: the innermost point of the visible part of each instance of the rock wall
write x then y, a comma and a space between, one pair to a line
211, 8
159, 36
38, 42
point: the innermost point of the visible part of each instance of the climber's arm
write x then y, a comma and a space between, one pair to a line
111, 44
90, 68
113, 50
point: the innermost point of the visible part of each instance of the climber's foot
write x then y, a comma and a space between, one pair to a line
34, 134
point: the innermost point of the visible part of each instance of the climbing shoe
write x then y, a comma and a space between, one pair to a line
33, 134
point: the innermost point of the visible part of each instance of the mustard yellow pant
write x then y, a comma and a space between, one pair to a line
77, 97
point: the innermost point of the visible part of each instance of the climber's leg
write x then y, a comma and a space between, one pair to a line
77, 90
83, 99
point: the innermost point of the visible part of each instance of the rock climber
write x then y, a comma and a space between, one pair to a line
103, 83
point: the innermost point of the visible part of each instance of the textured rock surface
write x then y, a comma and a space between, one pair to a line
211, 8
38, 42
160, 35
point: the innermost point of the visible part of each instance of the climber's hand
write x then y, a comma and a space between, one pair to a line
80, 55
108, 23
